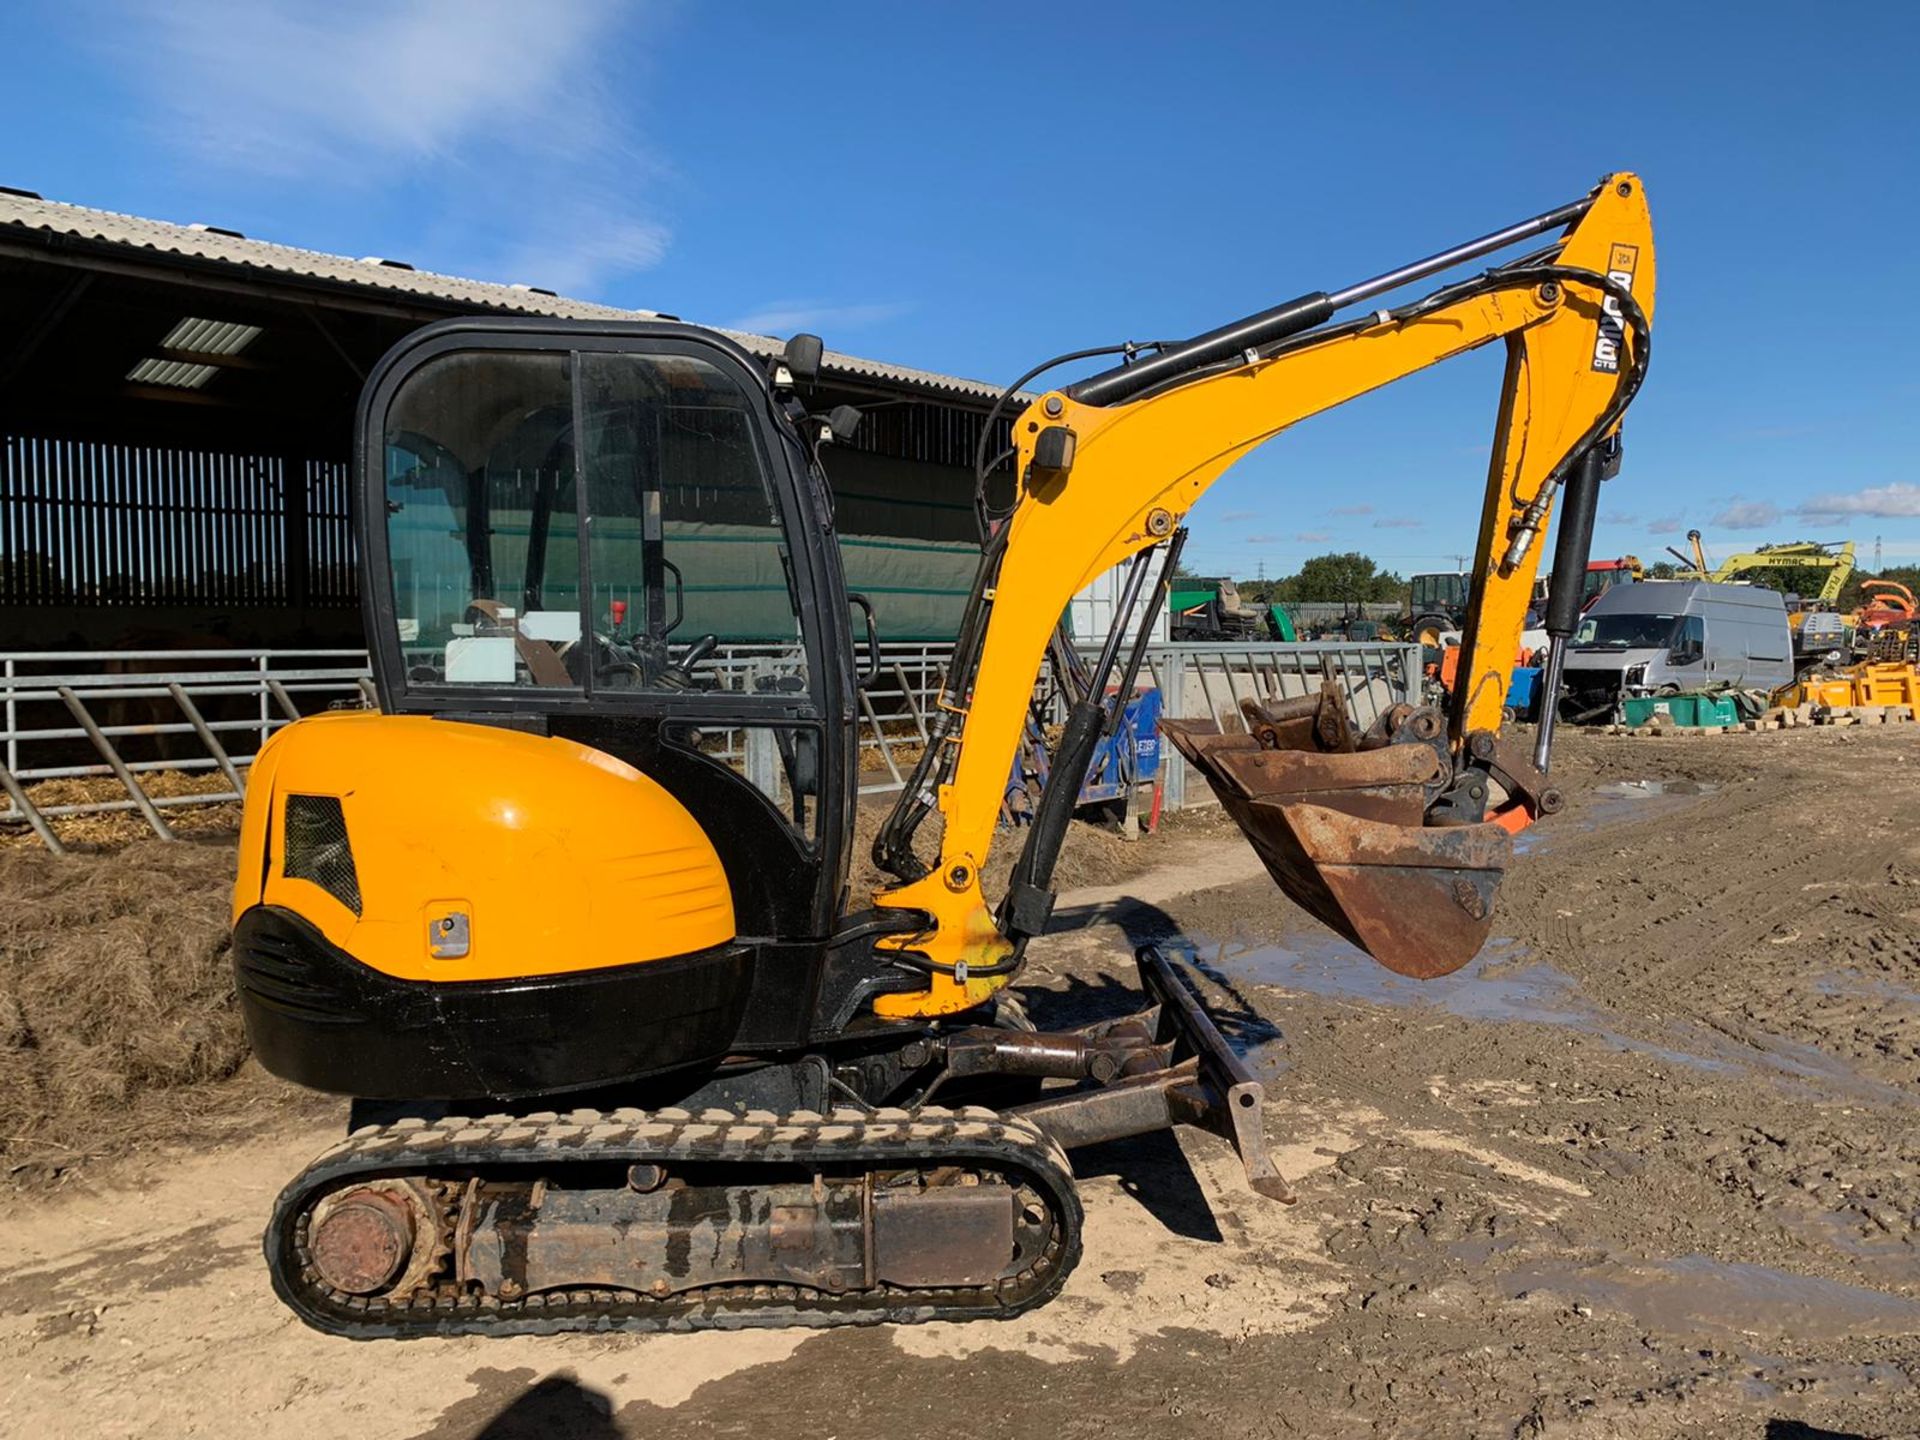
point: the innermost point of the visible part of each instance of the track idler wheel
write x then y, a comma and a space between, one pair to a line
1342, 824
373, 1239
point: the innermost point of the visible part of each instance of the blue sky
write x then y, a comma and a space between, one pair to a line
971, 189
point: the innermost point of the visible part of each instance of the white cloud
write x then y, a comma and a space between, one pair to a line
287, 88
1351, 510
1666, 525
784, 317
1895, 501
498, 122
1313, 537
1263, 540
1748, 515
573, 250
1399, 522
1229, 517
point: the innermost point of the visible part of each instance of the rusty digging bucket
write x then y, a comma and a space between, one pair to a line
1341, 822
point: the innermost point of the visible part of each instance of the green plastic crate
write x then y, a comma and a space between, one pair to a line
1691, 711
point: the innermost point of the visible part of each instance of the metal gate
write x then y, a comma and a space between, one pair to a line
127, 716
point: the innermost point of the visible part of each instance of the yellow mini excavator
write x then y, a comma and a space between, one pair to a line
594, 842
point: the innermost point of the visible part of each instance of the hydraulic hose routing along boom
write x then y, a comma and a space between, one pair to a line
1108, 468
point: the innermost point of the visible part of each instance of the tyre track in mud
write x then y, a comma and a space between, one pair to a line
1767, 904
1675, 1182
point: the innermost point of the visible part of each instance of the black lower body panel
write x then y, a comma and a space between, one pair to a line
322, 1019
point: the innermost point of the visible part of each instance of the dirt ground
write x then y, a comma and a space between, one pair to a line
1648, 1167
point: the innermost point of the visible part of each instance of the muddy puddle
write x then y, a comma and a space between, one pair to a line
1500, 985
1858, 983
1696, 1294
1613, 803
1503, 985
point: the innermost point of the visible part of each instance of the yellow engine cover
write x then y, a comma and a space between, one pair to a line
478, 853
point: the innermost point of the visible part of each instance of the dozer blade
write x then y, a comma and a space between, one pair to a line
1344, 835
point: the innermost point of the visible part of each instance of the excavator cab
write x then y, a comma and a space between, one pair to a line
612, 763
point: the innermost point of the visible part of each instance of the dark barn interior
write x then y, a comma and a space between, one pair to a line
176, 405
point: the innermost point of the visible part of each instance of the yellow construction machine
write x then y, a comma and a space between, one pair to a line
1883, 670
1876, 683
569, 915
1832, 560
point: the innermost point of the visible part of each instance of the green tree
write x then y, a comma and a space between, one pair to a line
1661, 570
1347, 578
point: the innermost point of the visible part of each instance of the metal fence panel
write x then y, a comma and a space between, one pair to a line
125, 714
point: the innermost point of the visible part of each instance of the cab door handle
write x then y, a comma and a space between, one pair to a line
872, 672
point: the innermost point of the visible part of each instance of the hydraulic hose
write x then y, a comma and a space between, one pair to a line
1632, 374
1272, 333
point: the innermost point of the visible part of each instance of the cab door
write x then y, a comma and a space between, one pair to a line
610, 533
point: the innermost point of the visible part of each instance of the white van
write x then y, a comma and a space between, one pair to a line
1656, 637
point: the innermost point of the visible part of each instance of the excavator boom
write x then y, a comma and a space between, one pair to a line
1393, 838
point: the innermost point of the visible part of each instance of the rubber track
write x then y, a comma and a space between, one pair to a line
550, 1143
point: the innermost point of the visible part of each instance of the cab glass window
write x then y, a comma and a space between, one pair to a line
483, 523
1689, 638
690, 573
1439, 592
493, 482
1625, 632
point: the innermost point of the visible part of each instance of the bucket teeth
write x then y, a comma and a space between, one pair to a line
1343, 833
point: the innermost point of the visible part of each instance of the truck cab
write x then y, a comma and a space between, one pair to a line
1656, 637
1603, 575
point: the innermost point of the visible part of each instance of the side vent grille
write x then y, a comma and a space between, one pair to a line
317, 849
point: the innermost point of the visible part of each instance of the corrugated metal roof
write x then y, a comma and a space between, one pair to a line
19, 211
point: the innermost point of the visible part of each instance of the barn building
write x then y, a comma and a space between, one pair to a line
176, 405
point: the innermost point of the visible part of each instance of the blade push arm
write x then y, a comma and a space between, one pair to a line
1100, 483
